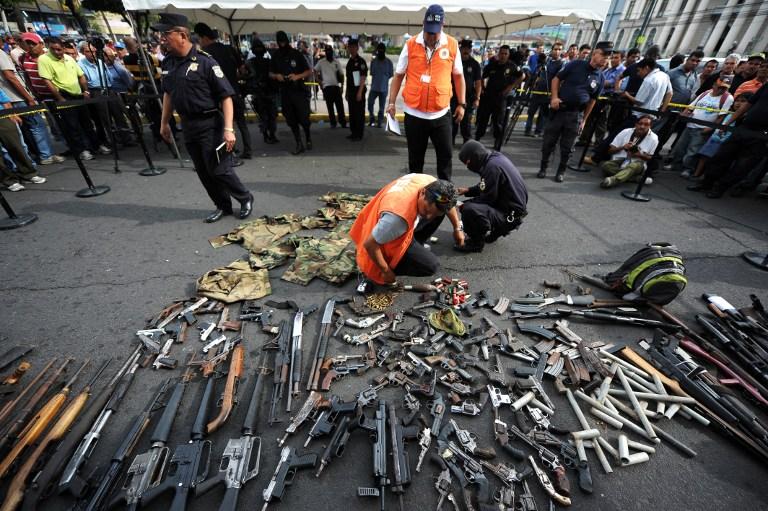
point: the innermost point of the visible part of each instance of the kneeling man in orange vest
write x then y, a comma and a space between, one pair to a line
391, 230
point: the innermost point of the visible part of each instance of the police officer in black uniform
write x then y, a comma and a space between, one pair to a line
497, 204
357, 71
501, 75
262, 90
195, 86
574, 92
231, 62
473, 80
289, 68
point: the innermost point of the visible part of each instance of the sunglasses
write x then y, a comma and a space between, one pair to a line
441, 198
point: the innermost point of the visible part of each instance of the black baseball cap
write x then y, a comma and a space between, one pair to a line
203, 30
169, 20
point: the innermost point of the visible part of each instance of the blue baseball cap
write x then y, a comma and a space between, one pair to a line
434, 19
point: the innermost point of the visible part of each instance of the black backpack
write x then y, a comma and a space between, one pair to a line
655, 274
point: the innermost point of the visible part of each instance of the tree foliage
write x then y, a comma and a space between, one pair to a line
115, 6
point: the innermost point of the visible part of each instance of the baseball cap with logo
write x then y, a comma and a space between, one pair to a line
726, 80
31, 37
434, 19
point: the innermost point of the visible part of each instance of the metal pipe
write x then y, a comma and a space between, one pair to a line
626, 365
606, 418
605, 444
623, 449
541, 406
636, 405
672, 410
585, 424
638, 446
522, 401
606, 385
586, 434
628, 423
638, 457
655, 397
661, 406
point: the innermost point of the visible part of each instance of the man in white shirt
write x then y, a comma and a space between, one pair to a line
656, 90
429, 63
629, 150
330, 74
710, 106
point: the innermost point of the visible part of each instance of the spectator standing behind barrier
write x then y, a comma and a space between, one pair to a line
429, 63
357, 73
709, 68
13, 85
711, 146
262, 89
729, 68
382, 70
546, 70
332, 79
497, 204
709, 106
98, 82
630, 151
754, 85
195, 86
573, 53
685, 81
748, 71
584, 51
501, 75
574, 92
66, 80
231, 63
289, 69
473, 82
10, 138
741, 153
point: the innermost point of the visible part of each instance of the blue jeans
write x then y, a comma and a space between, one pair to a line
371, 101
39, 131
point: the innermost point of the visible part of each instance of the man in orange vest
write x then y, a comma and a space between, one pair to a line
391, 230
428, 63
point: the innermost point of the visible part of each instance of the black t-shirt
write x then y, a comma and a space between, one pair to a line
579, 83
500, 76
229, 60
196, 83
356, 65
472, 73
287, 61
757, 116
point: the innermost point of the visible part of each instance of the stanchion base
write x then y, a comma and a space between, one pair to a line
639, 197
579, 169
755, 259
17, 221
152, 171
92, 192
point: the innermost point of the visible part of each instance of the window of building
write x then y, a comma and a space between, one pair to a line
669, 38
662, 8
633, 41
619, 38
682, 6
630, 9
578, 37
651, 38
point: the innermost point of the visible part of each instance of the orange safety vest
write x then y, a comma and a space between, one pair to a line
398, 197
434, 95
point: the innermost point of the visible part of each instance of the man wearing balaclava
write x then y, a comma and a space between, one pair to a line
381, 71
289, 68
262, 89
497, 204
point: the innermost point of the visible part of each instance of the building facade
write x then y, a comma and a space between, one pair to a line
718, 27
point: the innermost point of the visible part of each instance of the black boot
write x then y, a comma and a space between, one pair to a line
309, 144
299, 147
542, 171
560, 175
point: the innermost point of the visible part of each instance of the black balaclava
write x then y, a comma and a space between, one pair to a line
258, 48
474, 154
329, 54
381, 51
282, 37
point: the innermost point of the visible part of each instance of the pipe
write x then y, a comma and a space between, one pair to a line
638, 446
586, 434
605, 444
524, 400
585, 424
606, 418
634, 459
623, 449
655, 397
636, 405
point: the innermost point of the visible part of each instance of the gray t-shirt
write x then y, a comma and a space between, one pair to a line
328, 71
389, 227
6, 64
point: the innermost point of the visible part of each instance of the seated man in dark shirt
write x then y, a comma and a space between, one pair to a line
498, 203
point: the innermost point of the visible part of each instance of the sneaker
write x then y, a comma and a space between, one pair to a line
37, 180
15, 187
685, 174
86, 155
668, 167
588, 160
104, 150
58, 159
649, 180
608, 182
47, 161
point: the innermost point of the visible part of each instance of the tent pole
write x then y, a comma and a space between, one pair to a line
151, 73
109, 27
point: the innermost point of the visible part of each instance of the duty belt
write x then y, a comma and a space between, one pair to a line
198, 116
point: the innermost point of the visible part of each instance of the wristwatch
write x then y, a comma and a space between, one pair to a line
462, 105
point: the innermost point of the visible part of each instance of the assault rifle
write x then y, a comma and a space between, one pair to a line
282, 365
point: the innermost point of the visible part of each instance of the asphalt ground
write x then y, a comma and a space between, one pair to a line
82, 279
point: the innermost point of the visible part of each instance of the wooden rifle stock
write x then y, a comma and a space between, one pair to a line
39, 423
15, 493
230, 389
9, 406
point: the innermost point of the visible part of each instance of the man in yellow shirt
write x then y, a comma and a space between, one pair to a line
66, 81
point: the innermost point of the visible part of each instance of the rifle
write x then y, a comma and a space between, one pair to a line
81, 440
13, 354
337, 443
280, 374
11, 430
189, 464
10, 405
294, 376
108, 479
378, 435
229, 395
400, 463
15, 492
332, 409
285, 472
241, 457
147, 468
40, 422
303, 414
326, 324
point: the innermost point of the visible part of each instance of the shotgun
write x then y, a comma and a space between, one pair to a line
10, 405
229, 395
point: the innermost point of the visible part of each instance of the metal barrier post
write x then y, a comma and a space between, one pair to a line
591, 128
133, 117
14, 221
756, 259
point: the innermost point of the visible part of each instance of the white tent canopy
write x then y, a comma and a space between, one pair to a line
483, 19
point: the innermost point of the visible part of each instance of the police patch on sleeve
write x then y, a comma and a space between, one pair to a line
218, 72
481, 185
